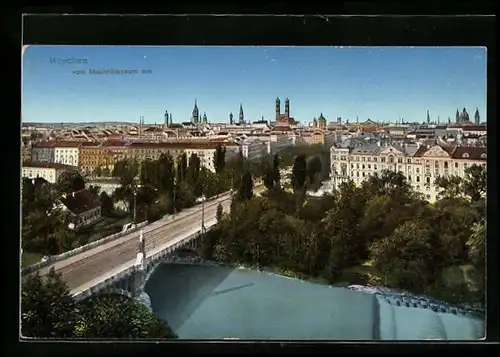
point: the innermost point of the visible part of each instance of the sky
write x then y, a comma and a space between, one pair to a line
380, 83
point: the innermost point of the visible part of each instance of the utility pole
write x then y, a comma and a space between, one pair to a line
135, 205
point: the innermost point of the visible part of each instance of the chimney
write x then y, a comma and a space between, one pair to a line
378, 143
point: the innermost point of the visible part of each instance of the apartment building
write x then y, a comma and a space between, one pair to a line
313, 137
421, 164
49, 171
67, 153
43, 151
205, 150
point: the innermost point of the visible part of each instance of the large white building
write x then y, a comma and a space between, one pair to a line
46, 170
421, 164
66, 153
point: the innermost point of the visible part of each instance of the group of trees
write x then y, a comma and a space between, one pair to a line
49, 311
45, 225
408, 242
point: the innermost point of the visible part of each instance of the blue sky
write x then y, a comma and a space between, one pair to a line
381, 83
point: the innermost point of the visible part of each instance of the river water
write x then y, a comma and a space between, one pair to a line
214, 302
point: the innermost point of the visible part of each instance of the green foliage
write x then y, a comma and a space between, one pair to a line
299, 173
408, 241
245, 190
219, 159
116, 316
48, 310
70, 181
106, 204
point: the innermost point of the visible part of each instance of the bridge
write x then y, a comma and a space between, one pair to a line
124, 264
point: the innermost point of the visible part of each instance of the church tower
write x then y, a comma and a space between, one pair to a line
196, 113
231, 118
165, 124
287, 108
477, 119
170, 118
242, 117
457, 117
428, 117
278, 109
205, 120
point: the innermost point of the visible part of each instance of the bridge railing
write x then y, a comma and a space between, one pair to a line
130, 267
79, 250
86, 247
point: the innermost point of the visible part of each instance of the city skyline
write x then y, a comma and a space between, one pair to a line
380, 83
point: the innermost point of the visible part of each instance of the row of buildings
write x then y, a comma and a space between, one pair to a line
420, 162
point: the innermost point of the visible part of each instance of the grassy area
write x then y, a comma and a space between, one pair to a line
28, 259
103, 228
364, 274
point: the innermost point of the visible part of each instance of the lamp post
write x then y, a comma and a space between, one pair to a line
135, 205
203, 214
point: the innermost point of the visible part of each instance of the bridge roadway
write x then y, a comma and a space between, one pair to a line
89, 265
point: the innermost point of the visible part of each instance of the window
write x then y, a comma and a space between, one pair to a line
483, 156
357, 166
382, 159
400, 161
417, 188
428, 196
375, 159
375, 167
357, 173
391, 160
352, 166
363, 174
363, 166
417, 170
465, 155
408, 161
418, 178
428, 180
446, 165
436, 164
409, 177
456, 165
369, 167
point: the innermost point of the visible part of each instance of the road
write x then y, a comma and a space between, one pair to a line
93, 263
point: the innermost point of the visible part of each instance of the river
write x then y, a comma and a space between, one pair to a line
214, 302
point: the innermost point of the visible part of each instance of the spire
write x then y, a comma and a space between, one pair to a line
428, 117
166, 117
241, 117
477, 118
231, 118
170, 118
277, 100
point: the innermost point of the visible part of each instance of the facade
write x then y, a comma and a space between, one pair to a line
43, 152
92, 155
84, 208
421, 165
67, 153
50, 172
313, 138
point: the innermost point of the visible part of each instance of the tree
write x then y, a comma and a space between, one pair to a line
276, 170
117, 316
299, 172
98, 171
219, 213
405, 258
268, 176
219, 158
193, 170
181, 168
313, 169
475, 182
107, 206
245, 190
47, 308
105, 172
476, 246
70, 181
